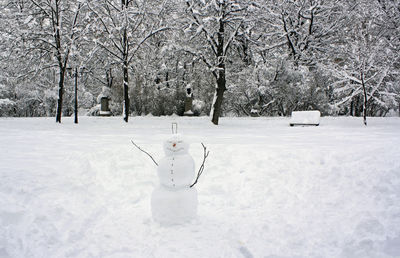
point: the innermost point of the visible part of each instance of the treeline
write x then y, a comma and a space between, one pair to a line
241, 57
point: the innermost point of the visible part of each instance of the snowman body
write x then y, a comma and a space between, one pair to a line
176, 169
174, 201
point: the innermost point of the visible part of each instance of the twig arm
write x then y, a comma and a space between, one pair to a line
201, 169
137, 146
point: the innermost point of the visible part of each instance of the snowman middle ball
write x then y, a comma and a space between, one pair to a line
176, 169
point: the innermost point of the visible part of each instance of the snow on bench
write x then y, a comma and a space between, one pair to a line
305, 118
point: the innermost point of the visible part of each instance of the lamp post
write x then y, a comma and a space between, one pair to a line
75, 74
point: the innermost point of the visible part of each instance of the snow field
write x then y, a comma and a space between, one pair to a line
268, 190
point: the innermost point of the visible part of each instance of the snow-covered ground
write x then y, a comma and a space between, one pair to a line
268, 190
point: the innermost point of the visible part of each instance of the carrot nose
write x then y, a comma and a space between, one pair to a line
174, 145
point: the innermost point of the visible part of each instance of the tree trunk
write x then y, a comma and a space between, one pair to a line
126, 95
60, 95
125, 69
221, 80
352, 107
217, 103
76, 96
109, 78
365, 99
125, 56
216, 107
62, 64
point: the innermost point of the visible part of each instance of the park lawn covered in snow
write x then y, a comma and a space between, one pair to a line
268, 190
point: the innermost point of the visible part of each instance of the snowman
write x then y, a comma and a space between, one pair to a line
174, 201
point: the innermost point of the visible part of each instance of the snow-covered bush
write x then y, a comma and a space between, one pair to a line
86, 100
94, 111
198, 108
168, 102
7, 107
50, 101
279, 90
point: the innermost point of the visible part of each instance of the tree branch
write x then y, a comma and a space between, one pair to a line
152, 33
209, 36
201, 169
137, 146
212, 69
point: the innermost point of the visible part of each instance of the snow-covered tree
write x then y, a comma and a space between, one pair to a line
364, 60
287, 41
124, 27
217, 23
261, 57
31, 59
47, 32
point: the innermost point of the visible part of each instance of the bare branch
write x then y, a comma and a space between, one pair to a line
137, 146
41, 8
201, 169
152, 33
209, 36
211, 67
109, 51
232, 37
107, 31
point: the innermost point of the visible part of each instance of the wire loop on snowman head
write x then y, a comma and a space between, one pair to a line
175, 128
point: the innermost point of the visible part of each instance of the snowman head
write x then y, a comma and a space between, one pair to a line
175, 146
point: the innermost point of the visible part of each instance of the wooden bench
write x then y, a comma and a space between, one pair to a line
305, 118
